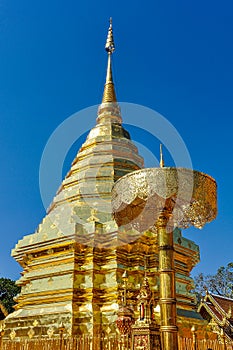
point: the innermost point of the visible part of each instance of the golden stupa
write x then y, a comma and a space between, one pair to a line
72, 268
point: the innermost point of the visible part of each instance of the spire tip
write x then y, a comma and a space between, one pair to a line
109, 91
110, 46
161, 156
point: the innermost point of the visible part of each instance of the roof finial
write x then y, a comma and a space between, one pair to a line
109, 91
161, 156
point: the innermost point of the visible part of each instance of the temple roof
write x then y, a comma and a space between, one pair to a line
219, 309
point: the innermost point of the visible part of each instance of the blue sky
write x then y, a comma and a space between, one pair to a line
175, 57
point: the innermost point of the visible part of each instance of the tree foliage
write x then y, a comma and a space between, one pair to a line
220, 283
8, 290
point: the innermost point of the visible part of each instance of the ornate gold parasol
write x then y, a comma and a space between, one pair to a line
162, 199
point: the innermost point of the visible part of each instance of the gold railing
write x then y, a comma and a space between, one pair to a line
74, 343
105, 343
203, 344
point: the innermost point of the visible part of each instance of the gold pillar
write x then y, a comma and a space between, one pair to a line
194, 333
223, 336
1, 335
61, 335
168, 326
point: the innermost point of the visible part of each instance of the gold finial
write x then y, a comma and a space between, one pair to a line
93, 216
109, 46
193, 329
125, 276
161, 156
229, 314
109, 94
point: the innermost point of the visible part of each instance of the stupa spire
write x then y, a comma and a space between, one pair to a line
109, 94
161, 163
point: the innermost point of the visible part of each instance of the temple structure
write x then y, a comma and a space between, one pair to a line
73, 263
217, 311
